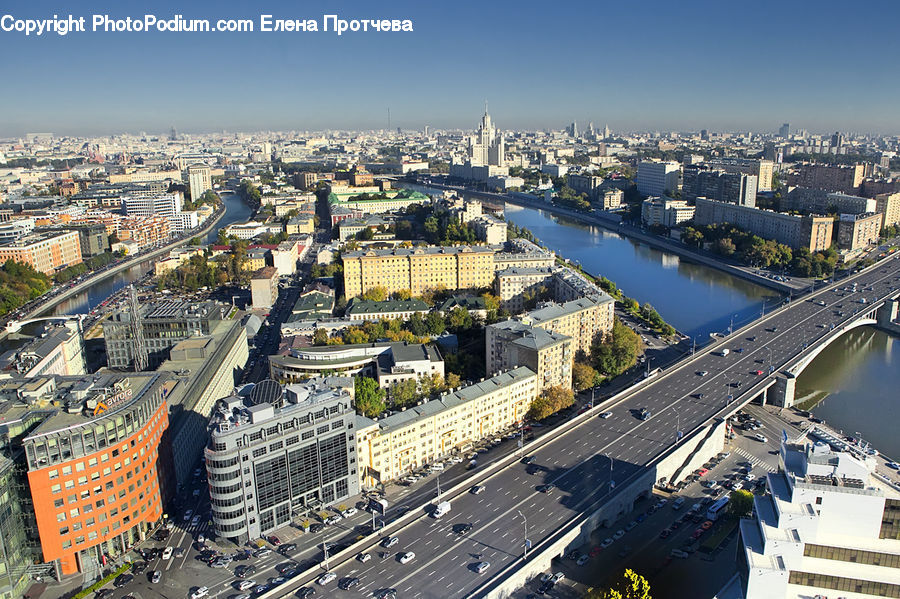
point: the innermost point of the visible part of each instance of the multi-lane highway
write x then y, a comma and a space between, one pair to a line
580, 464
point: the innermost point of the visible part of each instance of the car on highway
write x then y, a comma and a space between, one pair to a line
462, 529
664, 533
702, 372
481, 567
363, 557
389, 542
200, 592
155, 576
195, 520
326, 578
262, 552
386, 594
122, 579
167, 552
407, 557
606, 415
245, 585
305, 592
348, 583
188, 514
545, 488
761, 438
244, 571
350, 511
477, 489
287, 548
757, 372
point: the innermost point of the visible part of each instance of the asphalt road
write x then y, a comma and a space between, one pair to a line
581, 463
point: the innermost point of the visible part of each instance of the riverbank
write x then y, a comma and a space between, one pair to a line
124, 265
611, 223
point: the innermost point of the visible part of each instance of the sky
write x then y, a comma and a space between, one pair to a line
638, 66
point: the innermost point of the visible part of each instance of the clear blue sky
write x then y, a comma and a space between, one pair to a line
682, 65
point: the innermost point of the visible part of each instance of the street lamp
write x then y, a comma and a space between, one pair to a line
525, 521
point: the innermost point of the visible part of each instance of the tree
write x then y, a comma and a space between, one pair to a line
375, 294
369, 397
551, 401
452, 381
459, 319
631, 586
435, 323
404, 393
583, 376
620, 353
320, 337
740, 503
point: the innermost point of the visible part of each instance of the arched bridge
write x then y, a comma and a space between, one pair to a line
14, 325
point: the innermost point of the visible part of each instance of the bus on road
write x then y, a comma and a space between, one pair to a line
716, 509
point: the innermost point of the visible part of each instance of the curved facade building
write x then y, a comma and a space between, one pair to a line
94, 468
273, 460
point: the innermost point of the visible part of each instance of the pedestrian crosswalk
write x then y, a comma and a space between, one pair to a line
757, 462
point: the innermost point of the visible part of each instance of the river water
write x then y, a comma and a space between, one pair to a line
695, 299
857, 378
235, 210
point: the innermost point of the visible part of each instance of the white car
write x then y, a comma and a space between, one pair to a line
481, 567
201, 592
350, 511
619, 534
606, 415
246, 584
407, 557
761, 438
437, 467
167, 552
188, 514
363, 557
326, 578
195, 520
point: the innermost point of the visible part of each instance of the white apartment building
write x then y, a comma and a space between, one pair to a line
828, 527
655, 178
395, 445
199, 180
165, 205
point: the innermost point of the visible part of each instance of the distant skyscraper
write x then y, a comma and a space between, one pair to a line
486, 146
606, 131
837, 140
573, 129
704, 134
785, 131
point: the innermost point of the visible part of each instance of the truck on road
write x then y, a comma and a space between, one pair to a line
441, 509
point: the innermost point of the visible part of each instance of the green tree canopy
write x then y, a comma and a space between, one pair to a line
740, 503
369, 397
631, 586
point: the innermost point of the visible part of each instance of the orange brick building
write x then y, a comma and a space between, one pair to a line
97, 481
46, 252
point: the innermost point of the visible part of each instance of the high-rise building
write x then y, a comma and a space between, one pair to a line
163, 325
734, 188
784, 131
655, 178
84, 463
165, 205
486, 146
830, 177
763, 169
199, 180
828, 527
281, 451
888, 204
264, 287
857, 231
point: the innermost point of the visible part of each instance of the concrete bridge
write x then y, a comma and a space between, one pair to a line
14, 326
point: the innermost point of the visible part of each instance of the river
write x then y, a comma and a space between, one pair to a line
695, 299
855, 379
235, 210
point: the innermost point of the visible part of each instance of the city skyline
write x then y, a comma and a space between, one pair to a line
667, 69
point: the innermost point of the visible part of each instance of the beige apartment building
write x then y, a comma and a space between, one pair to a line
584, 320
422, 268
812, 232
512, 285
888, 204
396, 445
264, 287
856, 231
511, 344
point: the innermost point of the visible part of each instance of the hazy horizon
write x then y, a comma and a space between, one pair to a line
667, 67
